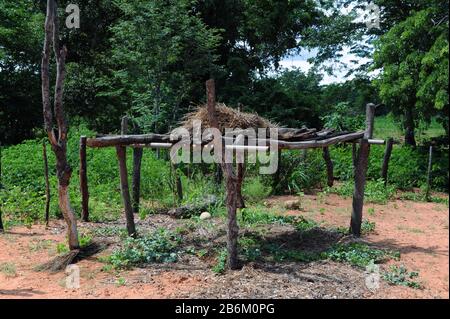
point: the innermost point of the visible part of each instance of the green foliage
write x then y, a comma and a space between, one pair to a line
158, 247
358, 254
8, 269
414, 80
219, 267
367, 226
400, 276
375, 191
254, 189
343, 118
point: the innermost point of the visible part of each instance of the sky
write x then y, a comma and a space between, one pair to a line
301, 61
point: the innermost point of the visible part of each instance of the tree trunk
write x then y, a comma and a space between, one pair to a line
428, 189
47, 184
409, 128
1, 222
329, 164
58, 141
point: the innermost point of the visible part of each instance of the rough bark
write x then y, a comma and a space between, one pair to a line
84, 190
124, 188
386, 158
230, 183
329, 165
58, 141
47, 184
136, 180
240, 171
360, 173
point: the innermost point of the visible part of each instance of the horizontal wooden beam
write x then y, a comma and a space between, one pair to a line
125, 140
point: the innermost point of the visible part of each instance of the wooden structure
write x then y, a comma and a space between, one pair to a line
287, 139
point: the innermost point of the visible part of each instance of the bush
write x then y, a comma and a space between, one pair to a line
254, 190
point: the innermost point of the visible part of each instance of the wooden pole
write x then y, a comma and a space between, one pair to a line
386, 158
136, 180
360, 173
230, 183
1, 222
125, 190
84, 181
240, 170
47, 184
428, 189
329, 164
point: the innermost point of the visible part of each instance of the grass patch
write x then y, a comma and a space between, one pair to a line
8, 269
220, 266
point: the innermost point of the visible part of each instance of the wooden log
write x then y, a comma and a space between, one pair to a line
124, 188
125, 140
190, 210
320, 143
121, 156
1, 222
355, 154
428, 189
230, 184
136, 179
240, 171
329, 165
47, 184
386, 158
360, 173
84, 190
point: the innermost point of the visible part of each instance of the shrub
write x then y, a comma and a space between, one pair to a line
254, 189
400, 276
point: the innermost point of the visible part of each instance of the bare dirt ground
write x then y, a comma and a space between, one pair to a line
418, 230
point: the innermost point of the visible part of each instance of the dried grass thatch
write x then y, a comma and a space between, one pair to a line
227, 118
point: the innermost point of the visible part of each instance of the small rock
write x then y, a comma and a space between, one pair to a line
205, 215
292, 204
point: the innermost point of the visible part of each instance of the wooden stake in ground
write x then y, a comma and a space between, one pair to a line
329, 164
1, 222
360, 173
58, 137
428, 189
84, 181
125, 190
386, 158
230, 184
47, 184
136, 179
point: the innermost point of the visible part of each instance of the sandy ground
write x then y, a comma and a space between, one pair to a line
418, 230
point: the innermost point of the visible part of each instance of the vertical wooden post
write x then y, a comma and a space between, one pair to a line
430, 158
240, 171
84, 181
122, 157
386, 158
47, 184
360, 173
1, 222
136, 180
354, 154
230, 183
329, 164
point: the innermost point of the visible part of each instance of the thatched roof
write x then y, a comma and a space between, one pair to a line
227, 118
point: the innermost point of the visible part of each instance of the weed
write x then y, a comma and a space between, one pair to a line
367, 226
219, 267
160, 246
400, 276
9, 269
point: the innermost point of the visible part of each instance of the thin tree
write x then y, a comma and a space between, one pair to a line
57, 135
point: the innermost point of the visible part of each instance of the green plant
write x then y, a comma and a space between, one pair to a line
367, 226
254, 189
62, 248
400, 276
160, 247
358, 254
219, 267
